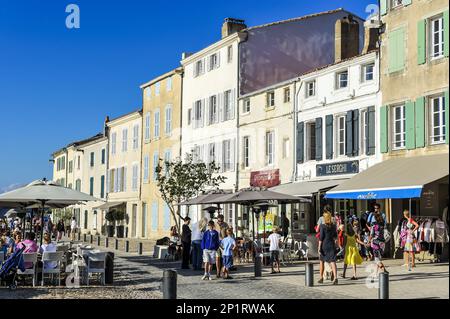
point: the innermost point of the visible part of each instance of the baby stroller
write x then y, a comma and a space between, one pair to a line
9, 268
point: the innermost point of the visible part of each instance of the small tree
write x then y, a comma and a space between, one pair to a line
179, 181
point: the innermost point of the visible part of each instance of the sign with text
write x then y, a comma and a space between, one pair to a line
269, 178
337, 168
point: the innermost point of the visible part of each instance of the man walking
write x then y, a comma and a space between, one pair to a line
186, 243
275, 240
73, 228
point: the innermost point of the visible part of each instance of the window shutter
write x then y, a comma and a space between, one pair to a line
384, 129
329, 136
220, 106
349, 133
420, 122
219, 152
446, 35
218, 59
125, 179
384, 7
319, 148
108, 176
208, 63
233, 104
446, 101
396, 50
355, 132
232, 154
370, 131
204, 65
193, 116
202, 118
410, 126
207, 102
421, 42
300, 142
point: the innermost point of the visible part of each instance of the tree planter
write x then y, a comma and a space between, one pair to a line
120, 231
110, 230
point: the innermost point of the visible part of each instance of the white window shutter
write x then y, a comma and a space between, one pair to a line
233, 104
207, 102
193, 115
220, 105
232, 154
218, 59
194, 73
125, 179
108, 176
202, 118
204, 65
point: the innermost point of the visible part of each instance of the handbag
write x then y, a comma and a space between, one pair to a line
387, 235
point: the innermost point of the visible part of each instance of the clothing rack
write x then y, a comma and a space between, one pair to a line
435, 256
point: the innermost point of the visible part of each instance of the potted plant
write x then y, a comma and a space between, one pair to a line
109, 216
119, 216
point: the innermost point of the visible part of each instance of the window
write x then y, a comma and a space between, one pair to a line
270, 147
437, 37
156, 125
167, 156
70, 185
134, 182
198, 116
78, 185
103, 156
189, 116
146, 167
122, 179
396, 3
91, 186
169, 84
246, 106
213, 118
113, 145
367, 72
226, 155
398, 127
144, 220
148, 93
92, 159
102, 186
63, 163
364, 128
70, 166
147, 127
157, 88
340, 136
230, 53
124, 140
311, 141
213, 62
112, 181
155, 165
168, 124
310, 88
286, 147
271, 99
341, 80
246, 151
437, 120
79, 162
136, 137
212, 153
228, 105
287, 95
198, 68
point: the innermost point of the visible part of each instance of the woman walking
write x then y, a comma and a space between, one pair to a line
377, 242
410, 245
61, 229
352, 256
327, 246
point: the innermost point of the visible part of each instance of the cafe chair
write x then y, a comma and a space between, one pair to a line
55, 257
29, 258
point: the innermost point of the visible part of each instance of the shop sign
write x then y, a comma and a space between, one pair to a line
341, 168
269, 178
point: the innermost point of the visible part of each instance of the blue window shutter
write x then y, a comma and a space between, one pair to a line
300, 142
166, 217
329, 136
355, 129
349, 133
319, 139
154, 216
370, 131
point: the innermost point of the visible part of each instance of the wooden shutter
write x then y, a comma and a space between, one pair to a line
421, 42
300, 142
410, 126
396, 50
446, 101
329, 136
370, 131
384, 7
319, 138
355, 128
384, 129
349, 133
446, 37
420, 122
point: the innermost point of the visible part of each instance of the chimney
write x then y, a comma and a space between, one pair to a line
346, 43
105, 127
371, 34
231, 25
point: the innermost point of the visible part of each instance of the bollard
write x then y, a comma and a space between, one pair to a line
127, 246
309, 274
140, 249
258, 265
383, 285
92, 239
98, 240
79, 236
169, 285
84, 237
106, 242
116, 247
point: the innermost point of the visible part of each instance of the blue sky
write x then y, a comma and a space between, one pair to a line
57, 85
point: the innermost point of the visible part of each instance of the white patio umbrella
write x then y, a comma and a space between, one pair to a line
46, 194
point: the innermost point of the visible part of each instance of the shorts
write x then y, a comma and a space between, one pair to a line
227, 262
209, 256
274, 256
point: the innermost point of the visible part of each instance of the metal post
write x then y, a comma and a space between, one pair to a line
98, 240
258, 264
127, 246
92, 239
140, 249
84, 237
169, 285
383, 285
106, 242
79, 236
309, 274
116, 245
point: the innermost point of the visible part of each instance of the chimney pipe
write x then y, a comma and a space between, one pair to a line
346, 38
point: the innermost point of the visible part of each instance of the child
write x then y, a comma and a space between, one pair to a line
209, 245
228, 244
352, 256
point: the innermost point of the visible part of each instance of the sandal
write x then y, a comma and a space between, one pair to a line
335, 282
320, 281
353, 278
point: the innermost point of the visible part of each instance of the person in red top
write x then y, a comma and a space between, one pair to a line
341, 242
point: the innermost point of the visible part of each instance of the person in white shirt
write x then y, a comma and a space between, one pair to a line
275, 240
198, 229
73, 228
48, 246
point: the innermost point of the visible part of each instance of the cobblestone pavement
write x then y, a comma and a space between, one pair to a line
139, 277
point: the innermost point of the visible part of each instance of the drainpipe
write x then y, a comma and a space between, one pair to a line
295, 119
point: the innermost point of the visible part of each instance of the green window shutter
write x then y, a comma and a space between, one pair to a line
370, 131
446, 35
446, 101
420, 122
406, 2
319, 147
329, 136
410, 126
300, 142
421, 42
396, 50
384, 129
384, 7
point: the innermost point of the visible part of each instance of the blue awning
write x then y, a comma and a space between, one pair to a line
393, 178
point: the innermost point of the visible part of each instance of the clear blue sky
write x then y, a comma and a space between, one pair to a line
57, 85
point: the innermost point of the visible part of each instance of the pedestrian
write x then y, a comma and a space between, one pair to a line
377, 241
222, 234
198, 230
371, 217
410, 244
284, 224
210, 244
341, 242
327, 246
229, 245
73, 228
60, 229
48, 246
274, 248
186, 235
352, 256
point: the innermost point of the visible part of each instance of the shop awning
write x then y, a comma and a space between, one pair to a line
109, 205
306, 189
394, 178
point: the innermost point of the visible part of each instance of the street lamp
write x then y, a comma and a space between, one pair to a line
211, 210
